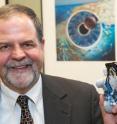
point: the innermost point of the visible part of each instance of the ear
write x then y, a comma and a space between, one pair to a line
43, 42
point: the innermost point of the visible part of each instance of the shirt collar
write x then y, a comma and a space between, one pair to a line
35, 94
11, 96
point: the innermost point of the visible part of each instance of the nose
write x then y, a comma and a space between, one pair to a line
18, 53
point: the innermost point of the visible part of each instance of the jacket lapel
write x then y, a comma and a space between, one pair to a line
57, 108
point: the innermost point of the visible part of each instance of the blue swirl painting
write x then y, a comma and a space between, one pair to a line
85, 30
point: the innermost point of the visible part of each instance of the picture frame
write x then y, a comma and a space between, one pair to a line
86, 71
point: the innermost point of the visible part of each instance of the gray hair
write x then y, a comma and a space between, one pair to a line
12, 9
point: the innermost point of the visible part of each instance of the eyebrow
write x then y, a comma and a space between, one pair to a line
6, 42
28, 41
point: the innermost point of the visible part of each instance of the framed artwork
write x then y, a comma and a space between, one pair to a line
67, 59
85, 31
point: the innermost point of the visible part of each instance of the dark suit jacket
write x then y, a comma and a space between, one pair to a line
70, 102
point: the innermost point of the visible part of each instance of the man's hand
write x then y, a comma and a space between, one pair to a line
109, 118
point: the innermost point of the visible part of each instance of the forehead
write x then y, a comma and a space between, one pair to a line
17, 27
16, 21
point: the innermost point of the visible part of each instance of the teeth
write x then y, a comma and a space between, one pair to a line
18, 67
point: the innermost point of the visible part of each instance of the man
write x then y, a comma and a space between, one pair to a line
26, 95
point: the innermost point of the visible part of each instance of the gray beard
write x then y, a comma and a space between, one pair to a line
20, 80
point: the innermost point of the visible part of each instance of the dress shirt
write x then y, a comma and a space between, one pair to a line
10, 111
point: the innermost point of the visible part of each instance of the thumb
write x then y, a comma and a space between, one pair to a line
114, 109
101, 103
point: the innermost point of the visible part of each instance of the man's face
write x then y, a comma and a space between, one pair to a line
21, 54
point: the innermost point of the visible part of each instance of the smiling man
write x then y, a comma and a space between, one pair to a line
21, 53
26, 95
21, 59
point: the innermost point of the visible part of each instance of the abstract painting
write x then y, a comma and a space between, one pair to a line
85, 30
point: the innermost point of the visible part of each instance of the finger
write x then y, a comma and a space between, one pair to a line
114, 109
101, 103
116, 119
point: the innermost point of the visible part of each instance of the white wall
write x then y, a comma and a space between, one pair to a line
34, 4
2, 2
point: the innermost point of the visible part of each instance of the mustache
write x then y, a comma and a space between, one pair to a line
14, 63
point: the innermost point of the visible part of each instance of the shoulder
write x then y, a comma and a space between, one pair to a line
68, 85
